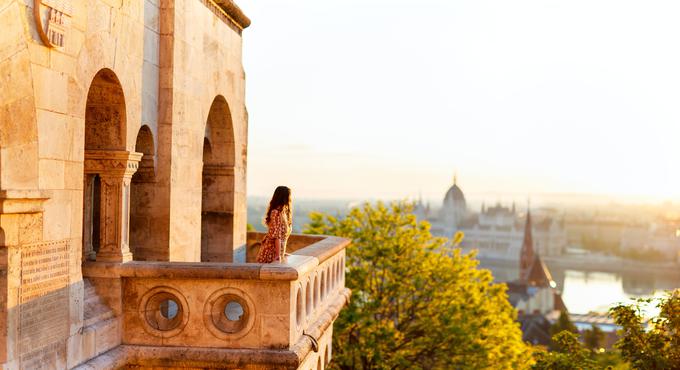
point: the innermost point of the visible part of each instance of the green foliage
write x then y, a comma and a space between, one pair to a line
656, 347
571, 356
250, 227
574, 355
417, 303
593, 338
563, 323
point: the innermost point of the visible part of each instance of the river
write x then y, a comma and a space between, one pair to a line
594, 291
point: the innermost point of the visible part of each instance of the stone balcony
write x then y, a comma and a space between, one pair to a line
244, 315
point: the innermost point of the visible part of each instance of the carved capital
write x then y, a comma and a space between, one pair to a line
110, 163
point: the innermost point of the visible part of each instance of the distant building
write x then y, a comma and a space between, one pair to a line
629, 239
454, 208
655, 238
534, 294
496, 232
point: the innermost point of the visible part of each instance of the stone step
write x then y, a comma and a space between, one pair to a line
89, 290
95, 309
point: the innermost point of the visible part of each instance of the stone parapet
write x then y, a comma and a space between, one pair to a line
196, 357
259, 316
318, 246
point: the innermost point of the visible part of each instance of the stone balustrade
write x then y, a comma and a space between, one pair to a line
274, 315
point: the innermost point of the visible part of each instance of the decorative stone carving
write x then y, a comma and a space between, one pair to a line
229, 313
164, 311
53, 31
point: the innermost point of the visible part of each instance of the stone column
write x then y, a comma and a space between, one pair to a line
115, 170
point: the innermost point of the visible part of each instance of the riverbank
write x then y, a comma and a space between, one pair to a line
597, 263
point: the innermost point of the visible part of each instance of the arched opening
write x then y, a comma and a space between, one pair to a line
108, 168
105, 120
317, 290
142, 194
299, 307
217, 201
323, 284
309, 297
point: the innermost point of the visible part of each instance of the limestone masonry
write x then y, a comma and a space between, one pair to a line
123, 243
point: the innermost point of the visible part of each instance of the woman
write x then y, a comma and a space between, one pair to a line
279, 221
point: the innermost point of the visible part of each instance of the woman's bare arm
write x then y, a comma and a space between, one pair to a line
277, 243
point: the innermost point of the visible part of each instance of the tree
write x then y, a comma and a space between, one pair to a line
655, 347
593, 338
563, 323
416, 302
571, 356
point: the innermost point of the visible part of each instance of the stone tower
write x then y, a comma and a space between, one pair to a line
526, 258
123, 152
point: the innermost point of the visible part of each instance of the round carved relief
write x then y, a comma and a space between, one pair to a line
229, 313
164, 312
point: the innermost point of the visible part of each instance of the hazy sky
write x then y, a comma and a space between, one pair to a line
387, 98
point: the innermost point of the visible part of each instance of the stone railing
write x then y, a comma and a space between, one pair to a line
274, 315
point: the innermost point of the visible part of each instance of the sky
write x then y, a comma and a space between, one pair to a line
388, 98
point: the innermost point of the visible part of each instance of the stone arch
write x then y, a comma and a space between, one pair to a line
108, 170
142, 200
309, 296
317, 290
105, 115
217, 200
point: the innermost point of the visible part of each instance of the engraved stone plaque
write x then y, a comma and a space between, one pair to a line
44, 297
53, 29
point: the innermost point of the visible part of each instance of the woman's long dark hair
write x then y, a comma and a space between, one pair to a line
282, 201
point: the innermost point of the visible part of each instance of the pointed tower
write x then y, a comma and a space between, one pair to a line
526, 257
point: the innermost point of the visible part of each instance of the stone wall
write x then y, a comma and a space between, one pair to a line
204, 63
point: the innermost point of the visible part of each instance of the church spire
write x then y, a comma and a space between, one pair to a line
455, 178
526, 258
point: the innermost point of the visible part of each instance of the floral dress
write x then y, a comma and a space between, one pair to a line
279, 228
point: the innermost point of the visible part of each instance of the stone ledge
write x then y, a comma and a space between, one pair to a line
23, 201
297, 264
321, 247
199, 270
325, 248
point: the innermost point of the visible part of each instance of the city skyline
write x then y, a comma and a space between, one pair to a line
527, 98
